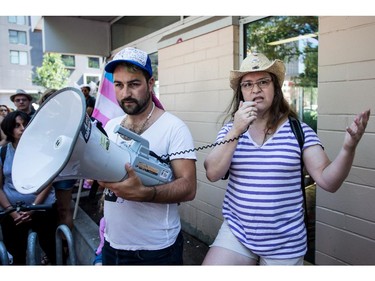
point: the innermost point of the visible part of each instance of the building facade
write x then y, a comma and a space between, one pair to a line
21, 52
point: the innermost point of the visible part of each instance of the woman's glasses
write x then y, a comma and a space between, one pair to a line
262, 84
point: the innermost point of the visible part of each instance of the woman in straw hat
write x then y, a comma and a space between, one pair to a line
263, 204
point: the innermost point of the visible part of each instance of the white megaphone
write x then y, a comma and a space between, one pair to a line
62, 142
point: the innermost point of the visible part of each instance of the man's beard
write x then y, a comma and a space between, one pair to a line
138, 106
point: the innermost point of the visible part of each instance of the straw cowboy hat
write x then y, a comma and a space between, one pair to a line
257, 62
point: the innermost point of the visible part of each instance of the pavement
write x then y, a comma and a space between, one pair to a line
194, 250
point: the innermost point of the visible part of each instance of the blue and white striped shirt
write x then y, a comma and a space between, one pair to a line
263, 203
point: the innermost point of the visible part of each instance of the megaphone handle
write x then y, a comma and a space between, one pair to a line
127, 133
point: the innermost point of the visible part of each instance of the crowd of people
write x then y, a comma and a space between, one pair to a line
259, 154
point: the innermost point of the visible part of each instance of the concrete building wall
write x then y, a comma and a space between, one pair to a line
345, 220
194, 85
84, 37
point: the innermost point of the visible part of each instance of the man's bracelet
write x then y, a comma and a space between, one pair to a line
154, 194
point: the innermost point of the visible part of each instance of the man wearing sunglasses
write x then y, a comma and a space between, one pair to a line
22, 101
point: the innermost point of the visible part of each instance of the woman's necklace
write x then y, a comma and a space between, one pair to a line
132, 128
267, 135
260, 137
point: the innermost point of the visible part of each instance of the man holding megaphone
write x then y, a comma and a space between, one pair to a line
128, 158
142, 222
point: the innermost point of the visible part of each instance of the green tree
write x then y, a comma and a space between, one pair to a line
263, 33
309, 78
52, 73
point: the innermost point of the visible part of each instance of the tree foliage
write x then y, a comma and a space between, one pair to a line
52, 73
309, 78
264, 32
262, 35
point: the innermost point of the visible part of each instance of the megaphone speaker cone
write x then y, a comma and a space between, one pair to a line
62, 142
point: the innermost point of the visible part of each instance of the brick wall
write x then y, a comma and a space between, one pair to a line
345, 220
194, 85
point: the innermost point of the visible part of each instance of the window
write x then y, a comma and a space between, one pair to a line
68, 60
154, 64
18, 57
295, 41
17, 37
20, 20
87, 78
93, 62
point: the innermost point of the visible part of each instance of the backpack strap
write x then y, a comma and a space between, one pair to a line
3, 153
295, 124
297, 131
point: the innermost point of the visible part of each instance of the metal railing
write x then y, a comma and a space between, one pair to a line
62, 231
4, 259
65, 231
33, 247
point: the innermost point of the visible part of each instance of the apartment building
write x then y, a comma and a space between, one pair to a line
21, 52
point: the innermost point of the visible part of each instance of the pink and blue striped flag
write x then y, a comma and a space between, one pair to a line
106, 106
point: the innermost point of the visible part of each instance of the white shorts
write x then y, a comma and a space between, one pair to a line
226, 239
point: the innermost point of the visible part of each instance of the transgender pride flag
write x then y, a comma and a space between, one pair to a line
106, 106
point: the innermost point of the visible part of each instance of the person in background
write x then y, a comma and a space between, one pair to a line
22, 102
90, 100
263, 204
4, 110
98, 251
142, 223
16, 226
90, 105
3, 137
